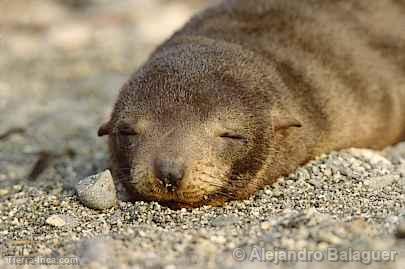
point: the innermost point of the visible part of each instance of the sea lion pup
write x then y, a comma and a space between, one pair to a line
248, 91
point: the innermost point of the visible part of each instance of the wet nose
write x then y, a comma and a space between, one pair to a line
170, 173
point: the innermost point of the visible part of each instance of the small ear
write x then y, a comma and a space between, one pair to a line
104, 129
283, 122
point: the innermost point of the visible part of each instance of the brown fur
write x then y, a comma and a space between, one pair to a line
292, 79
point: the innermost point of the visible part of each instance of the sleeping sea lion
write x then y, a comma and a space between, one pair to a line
247, 91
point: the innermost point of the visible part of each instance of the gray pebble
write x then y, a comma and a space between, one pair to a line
225, 221
97, 191
58, 220
377, 183
401, 230
94, 251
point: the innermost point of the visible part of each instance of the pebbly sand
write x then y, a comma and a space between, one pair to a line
59, 76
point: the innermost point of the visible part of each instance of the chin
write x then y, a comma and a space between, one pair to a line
192, 204
177, 201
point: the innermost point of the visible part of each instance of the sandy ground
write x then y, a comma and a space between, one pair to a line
61, 65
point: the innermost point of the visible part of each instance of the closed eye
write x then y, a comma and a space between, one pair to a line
233, 136
126, 130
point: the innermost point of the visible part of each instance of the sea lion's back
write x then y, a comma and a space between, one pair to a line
347, 54
317, 28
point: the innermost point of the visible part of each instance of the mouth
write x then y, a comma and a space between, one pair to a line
175, 199
173, 196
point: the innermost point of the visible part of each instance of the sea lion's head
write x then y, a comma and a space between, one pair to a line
192, 127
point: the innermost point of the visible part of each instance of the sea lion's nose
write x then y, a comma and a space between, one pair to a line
169, 172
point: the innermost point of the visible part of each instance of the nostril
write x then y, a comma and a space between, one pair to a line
173, 178
170, 173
